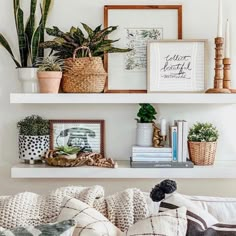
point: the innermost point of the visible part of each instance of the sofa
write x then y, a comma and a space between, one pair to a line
76, 210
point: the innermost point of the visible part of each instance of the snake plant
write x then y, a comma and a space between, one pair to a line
64, 43
29, 35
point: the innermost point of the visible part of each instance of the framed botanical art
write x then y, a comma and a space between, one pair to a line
137, 24
86, 134
176, 66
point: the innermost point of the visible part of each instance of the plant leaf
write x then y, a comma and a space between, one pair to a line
88, 30
35, 44
5, 44
23, 48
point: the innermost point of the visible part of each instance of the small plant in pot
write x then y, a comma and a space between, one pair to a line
68, 152
29, 36
202, 143
33, 138
49, 74
145, 120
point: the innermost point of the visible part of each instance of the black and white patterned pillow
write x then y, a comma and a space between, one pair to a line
200, 222
64, 228
89, 222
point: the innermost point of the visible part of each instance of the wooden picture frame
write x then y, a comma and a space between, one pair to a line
176, 66
170, 27
81, 133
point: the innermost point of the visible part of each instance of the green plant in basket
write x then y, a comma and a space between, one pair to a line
67, 150
146, 113
203, 132
65, 43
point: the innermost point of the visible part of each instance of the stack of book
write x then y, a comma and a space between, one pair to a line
150, 157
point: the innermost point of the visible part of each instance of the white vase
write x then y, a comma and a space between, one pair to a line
28, 79
144, 133
33, 148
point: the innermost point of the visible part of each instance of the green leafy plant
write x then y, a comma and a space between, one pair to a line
50, 64
203, 132
67, 150
30, 35
64, 43
146, 113
33, 126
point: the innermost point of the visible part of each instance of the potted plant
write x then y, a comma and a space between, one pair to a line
33, 138
202, 142
29, 37
49, 74
145, 120
67, 152
83, 54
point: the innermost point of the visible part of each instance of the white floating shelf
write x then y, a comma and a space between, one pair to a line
221, 170
120, 98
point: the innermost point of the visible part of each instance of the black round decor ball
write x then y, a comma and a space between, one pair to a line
158, 192
168, 186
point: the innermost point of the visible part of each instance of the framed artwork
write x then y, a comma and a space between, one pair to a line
87, 134
127, 71
176, 66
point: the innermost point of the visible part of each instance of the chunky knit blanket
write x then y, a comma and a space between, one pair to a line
122, 209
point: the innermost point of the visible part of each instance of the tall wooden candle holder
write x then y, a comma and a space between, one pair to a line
227, 77
219, 76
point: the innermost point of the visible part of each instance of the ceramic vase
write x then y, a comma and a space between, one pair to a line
144, 133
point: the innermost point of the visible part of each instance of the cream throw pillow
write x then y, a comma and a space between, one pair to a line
169, 223
89, 222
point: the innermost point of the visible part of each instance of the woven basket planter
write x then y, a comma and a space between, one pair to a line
84, 75
202, 153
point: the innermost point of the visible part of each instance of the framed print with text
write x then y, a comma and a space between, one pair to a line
176, 66
137, 24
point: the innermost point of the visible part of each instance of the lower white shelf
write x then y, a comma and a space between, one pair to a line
221, 170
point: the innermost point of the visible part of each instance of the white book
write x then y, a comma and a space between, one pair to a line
179, 125
152, 154
185, 140
150, 149
152, 159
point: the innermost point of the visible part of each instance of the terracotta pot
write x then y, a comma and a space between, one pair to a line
49, 81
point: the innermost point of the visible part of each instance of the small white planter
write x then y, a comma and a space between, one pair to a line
33, 148
28, 79
144, 133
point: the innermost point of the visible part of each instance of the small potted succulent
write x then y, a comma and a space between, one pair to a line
49, 74
83, 51
67, 152
33, 138
202, 142
145, 120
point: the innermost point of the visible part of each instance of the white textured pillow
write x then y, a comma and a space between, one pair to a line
169, 223
89, 220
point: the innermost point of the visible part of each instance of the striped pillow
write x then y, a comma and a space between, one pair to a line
200, 222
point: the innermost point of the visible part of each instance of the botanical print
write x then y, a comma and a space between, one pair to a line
136, 60
83, 135
176, 66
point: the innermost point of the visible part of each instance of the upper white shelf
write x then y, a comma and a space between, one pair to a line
120, 98
221, 170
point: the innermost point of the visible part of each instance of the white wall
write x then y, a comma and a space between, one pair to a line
199, 22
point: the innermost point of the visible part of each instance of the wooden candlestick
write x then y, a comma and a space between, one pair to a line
227, 77
218, 80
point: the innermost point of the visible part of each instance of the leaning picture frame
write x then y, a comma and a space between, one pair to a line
176, 66
86, 134
127, 71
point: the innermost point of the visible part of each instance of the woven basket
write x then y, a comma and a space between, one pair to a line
202, 153
64, 162
85, 75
